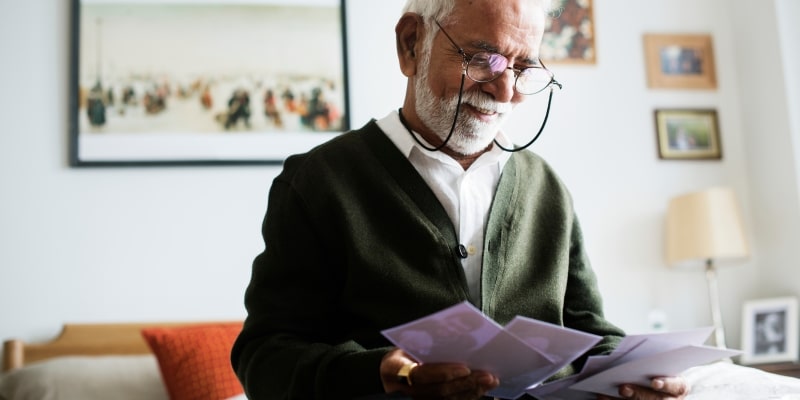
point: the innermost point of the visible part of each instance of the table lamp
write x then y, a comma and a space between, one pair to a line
706, 226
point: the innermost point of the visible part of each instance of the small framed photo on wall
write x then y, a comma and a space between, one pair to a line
679, 61
770, 331
687, 134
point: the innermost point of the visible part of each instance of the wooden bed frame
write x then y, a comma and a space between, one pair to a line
82, 340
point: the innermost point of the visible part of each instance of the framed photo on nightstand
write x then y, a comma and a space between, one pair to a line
770, 331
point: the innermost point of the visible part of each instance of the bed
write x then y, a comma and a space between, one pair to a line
124, 361
176, 361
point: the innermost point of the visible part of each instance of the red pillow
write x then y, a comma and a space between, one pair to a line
195, 359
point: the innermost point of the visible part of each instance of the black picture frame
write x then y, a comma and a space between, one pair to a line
164, 83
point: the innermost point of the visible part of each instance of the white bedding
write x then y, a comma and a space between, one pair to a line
728, 381
138, 378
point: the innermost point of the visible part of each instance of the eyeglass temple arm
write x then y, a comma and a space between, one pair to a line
460, 50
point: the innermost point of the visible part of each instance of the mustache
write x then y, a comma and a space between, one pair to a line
483, 101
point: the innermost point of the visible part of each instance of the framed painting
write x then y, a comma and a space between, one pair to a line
770, 330
569, 34
687, 134
679, 61
194, 82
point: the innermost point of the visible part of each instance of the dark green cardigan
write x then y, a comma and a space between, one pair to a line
356, 242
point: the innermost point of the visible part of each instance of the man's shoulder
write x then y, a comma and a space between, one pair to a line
342, 146
354, 149
347, 141
530, 162
532, 172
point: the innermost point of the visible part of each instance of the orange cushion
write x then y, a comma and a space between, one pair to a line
194, 360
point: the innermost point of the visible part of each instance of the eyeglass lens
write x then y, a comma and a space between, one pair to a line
486, 67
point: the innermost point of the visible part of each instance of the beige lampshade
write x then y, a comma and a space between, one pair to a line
705, 225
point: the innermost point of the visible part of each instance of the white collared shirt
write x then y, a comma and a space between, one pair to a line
465, 195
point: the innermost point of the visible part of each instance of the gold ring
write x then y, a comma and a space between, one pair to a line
404, 375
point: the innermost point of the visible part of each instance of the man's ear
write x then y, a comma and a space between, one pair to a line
409, 32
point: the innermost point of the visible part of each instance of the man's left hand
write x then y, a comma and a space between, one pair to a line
662, 388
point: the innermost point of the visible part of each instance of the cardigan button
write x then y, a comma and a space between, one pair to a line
462, 251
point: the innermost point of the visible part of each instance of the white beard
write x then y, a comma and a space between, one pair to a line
471, 135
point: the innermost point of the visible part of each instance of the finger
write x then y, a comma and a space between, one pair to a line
437, 382
674, 385
644, 393
391, 364
426, 374
486, 380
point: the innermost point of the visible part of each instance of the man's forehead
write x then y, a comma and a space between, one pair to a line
507, 36
497, 8
515, 18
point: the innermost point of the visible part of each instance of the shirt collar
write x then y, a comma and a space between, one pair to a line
398, 134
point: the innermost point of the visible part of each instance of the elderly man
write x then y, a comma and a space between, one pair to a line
425, 208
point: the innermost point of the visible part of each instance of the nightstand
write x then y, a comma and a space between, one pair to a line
783, 368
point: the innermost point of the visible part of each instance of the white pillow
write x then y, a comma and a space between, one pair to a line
86, 378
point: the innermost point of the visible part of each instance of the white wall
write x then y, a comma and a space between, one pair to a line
769, 66
150, 244
115, 244
781, 236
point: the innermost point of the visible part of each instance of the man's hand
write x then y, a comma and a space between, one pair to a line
664, 388
434, 381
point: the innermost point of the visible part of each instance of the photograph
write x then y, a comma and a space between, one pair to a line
770, 331
205, 81
569, 34
687, 134
680, 61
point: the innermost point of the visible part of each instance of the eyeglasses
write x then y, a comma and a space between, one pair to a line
487, 66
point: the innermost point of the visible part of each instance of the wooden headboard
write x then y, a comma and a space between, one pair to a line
82, 339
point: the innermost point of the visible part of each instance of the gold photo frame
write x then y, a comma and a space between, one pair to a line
688, 134
680, 61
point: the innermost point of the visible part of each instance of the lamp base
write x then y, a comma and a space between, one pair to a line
716, 312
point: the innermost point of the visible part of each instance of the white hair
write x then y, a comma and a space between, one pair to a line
440, 10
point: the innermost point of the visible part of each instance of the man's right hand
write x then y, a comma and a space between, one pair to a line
434, 381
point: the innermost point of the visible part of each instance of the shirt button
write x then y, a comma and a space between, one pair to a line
471, 249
